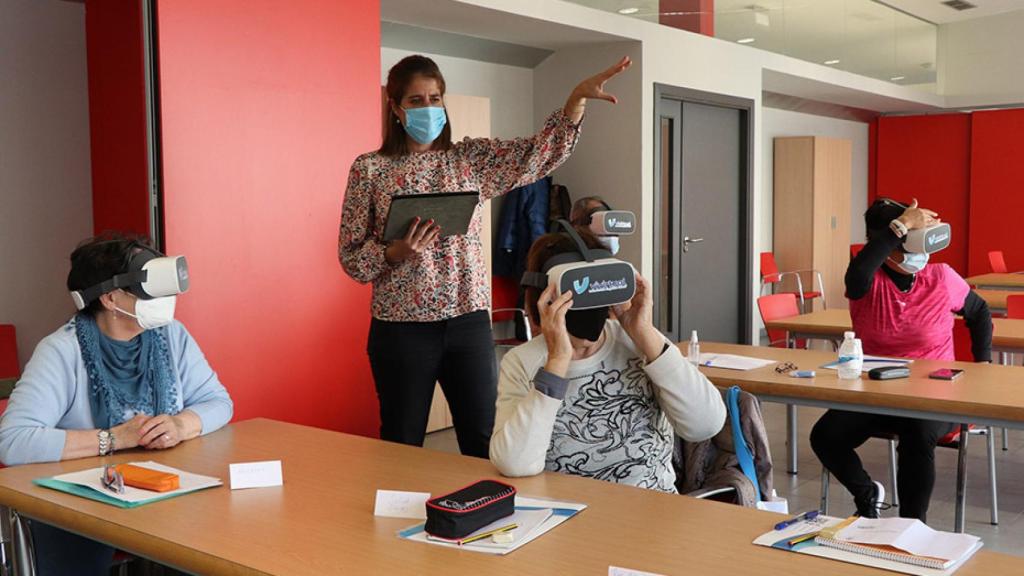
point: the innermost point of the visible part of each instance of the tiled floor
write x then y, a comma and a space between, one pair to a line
803, 490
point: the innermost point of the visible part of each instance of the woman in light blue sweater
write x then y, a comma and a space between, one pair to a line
121, 374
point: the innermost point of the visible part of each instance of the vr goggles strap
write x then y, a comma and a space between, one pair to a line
125, 280
581, 246
538, 280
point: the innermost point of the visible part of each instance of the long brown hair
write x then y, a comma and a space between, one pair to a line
399, 78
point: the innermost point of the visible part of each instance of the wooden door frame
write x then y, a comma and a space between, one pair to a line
746, 108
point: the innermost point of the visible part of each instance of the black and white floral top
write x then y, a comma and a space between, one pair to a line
447, 279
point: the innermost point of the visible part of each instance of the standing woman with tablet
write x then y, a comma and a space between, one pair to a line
431, 292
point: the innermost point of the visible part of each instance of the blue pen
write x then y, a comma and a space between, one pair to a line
805, 516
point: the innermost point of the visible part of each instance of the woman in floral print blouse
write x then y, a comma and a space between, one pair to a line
431, 293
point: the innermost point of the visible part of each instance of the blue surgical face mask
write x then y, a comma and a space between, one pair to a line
913, 262
425, 124
611, 243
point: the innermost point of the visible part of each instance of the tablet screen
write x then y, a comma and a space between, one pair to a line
452, 211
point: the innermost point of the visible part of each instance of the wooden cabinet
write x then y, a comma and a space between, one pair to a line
812, 211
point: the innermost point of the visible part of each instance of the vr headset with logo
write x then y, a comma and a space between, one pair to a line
595, 278
608, 222
928, 240
147, 274
924, 240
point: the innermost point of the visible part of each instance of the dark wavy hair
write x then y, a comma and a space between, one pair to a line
101, 258
399, 78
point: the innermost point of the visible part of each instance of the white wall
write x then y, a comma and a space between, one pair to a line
603, 164
981, 61
45, 191
510, 89
776, 123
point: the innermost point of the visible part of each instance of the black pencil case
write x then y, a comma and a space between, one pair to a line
468, 509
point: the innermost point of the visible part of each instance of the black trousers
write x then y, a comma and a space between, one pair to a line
838, 433
407, 358
61, 553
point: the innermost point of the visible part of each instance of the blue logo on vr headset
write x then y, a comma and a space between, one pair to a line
581, 287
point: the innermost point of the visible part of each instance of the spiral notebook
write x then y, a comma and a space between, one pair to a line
827, 537
906, 540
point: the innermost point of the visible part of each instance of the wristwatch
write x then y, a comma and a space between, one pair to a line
106, 442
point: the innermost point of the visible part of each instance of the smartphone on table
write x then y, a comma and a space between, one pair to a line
946, 374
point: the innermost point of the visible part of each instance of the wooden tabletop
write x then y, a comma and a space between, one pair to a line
996, 299
321, 521
1007, 333
1012, 281
983, 391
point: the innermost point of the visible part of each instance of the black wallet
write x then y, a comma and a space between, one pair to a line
888, 372
468, 509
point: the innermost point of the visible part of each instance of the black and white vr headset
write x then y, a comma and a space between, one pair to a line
148, 274
612, 222
928, 240
924, 240
595, 278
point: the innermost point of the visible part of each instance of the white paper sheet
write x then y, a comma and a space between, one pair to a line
617, 571
187, 481
526, 521
908, 534
733, 361
399, 504
872, 362
559, 512
255, 474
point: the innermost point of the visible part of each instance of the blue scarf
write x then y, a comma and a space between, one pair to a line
126, 378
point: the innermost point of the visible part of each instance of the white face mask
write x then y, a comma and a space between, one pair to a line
611, 243
912, 262
153, 313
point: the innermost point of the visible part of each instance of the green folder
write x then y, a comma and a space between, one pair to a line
85, 492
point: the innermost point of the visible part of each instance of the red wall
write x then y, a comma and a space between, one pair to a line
929, 158
693, 15
264, 104
117, 115
997, 188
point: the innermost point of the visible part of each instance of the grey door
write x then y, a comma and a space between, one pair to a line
702, 198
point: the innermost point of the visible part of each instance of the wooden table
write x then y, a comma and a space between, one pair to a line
996, 299
1011, 281
985, 394
1007, 334
321, 521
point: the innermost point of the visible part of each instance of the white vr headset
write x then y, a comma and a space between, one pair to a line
928, 240
148, 274
595, 278
613, 223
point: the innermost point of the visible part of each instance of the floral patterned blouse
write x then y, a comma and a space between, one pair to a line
448, 278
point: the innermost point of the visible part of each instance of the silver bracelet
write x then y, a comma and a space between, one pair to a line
898, 228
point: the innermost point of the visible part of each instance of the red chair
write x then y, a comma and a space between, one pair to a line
771, 276
855, 249
1015, 306
774, 307
996, 261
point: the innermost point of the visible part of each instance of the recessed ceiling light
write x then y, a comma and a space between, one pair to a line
745, 41
897, 78
628, 11
831, 62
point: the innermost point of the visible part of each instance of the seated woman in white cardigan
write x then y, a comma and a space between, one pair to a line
597, 397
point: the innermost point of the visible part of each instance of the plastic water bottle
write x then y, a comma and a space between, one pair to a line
693, 354
851, 357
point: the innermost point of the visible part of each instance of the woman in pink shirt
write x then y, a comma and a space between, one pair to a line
901, 306
431, 293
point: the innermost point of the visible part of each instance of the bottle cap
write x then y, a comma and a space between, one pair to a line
693, 335
848, 334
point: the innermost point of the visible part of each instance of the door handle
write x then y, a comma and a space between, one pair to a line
687, 241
